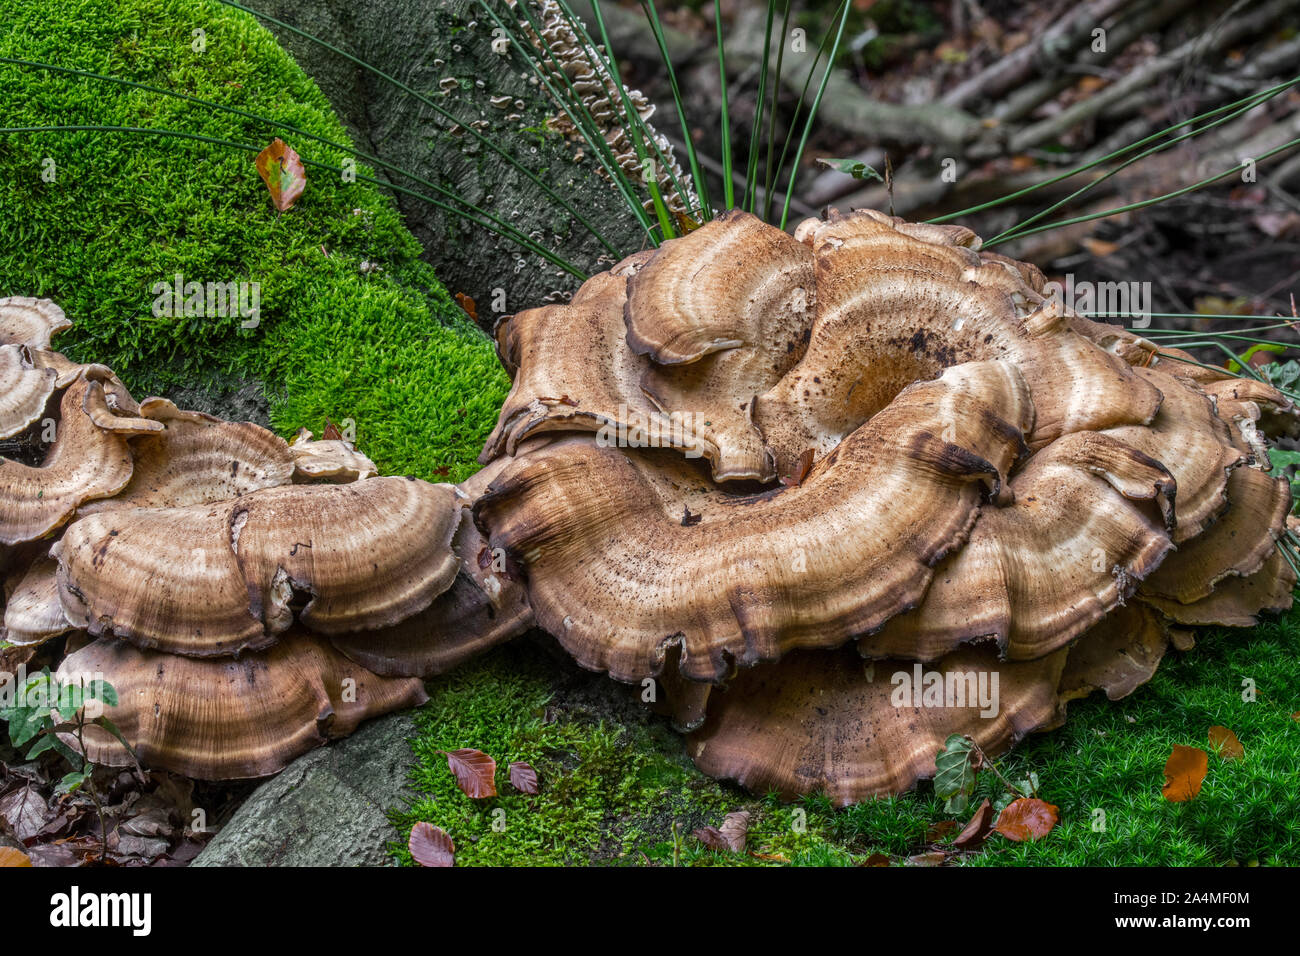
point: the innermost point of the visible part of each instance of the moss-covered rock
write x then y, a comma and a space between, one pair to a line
352, 325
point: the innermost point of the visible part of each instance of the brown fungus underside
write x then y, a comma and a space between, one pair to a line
911, 459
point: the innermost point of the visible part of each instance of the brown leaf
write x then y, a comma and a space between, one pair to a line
1226, 743
711, 837
937, 831
1184, 771
10, 857
283, 173
934, 858
468, 304
876, 859
24, 812
730, 836
1027, 818
977, 830
524, 778
475, 772
431, 846
332, 432
735, 827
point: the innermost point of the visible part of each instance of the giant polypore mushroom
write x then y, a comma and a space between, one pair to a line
973, 479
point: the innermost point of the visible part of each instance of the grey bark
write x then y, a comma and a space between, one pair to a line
424, 44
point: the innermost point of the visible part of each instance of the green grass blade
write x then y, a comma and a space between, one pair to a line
574, 108
513, 234
493, 222
1127, 163
1144, 203
770, 170
688, 141
756, 131
437, 108
728, 183
812, 113
1259, 97
634, 126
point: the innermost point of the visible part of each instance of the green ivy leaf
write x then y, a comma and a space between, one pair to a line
954, 780
856, 169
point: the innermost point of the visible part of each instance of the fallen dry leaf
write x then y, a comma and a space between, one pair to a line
431, 846
977, 830
1027, 818
876, 859
524, 778
468, 304
282, 171
735, 828
937, 831
935, 858
1226, 743
10, 857
475, 772
730, 836
1184, 771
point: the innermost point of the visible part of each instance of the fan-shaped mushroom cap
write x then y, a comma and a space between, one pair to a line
1118, 655
746, 578
231, 719
484, 607
723, 313
1238, 397
84, 463
329, 459
735, 282
1189, 439
31, 322
33, 613
576, 373
1089, 521
218, 579
25, 389
828, 721
1236, 544
892, 309
110, 418
1237, 601
198, 459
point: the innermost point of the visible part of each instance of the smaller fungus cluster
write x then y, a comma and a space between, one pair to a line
248, 598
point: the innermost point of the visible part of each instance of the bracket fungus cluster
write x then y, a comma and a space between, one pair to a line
844, 493
835, 495
249, 599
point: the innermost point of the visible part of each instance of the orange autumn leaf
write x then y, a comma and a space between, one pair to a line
469, 306
282, 171
1027, 818
1184, 771
11, 857
1226, 743
475, 772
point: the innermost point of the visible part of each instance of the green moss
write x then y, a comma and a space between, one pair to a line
383, 345
616, 781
